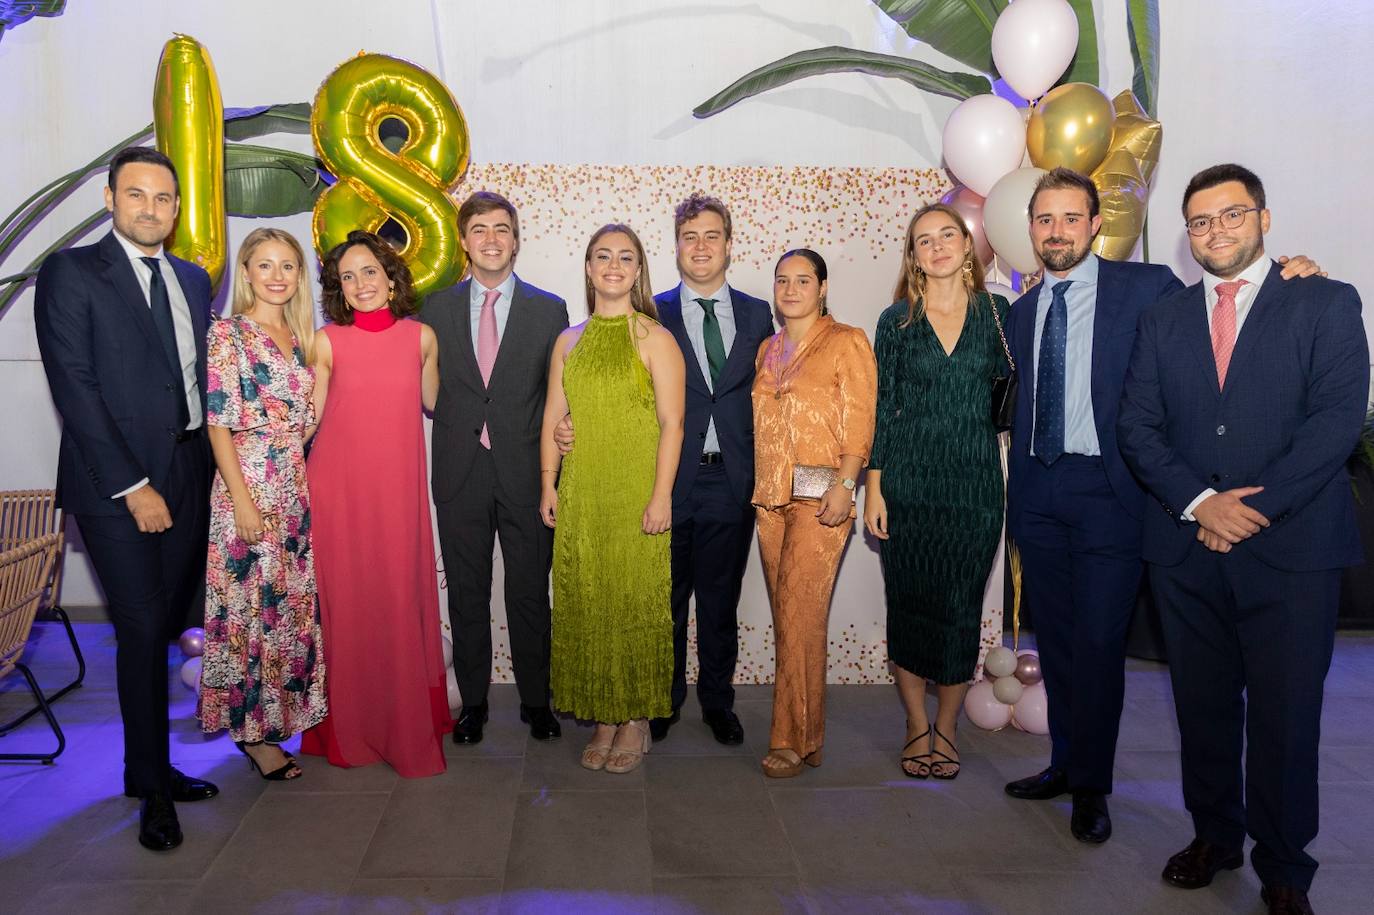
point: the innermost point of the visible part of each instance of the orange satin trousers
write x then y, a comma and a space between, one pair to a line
800, 558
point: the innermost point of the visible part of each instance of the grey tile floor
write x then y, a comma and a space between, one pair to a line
517, 826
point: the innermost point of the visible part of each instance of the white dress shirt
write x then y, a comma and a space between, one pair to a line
694, 319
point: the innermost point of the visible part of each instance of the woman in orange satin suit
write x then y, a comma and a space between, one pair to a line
815, 396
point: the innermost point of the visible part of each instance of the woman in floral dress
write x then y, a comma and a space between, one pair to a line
263, 673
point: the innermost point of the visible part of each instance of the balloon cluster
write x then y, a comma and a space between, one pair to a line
192, 645
455, 699
1012, 692
987, 140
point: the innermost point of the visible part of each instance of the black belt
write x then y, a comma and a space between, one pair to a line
711, 457
187, 435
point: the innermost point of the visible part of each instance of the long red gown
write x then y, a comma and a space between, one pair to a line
374, 559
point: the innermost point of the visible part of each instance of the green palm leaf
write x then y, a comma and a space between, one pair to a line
1143, 25
843, 60
961, 29
246, 123
1084, 68
259, 181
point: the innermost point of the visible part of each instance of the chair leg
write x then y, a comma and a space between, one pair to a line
75, 684
45, 758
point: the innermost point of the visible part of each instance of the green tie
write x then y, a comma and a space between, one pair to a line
715, 347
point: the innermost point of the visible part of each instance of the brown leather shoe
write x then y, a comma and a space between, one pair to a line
1195, 866
1286, 900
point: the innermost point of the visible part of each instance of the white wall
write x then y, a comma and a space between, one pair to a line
1273, 85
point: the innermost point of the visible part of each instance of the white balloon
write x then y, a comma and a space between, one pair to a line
983, 709
984, 139
190, 673
1005, 291
448, 652
1007, 690
1033, 43
455, 699
1031, 712
1000, 662
1006, 217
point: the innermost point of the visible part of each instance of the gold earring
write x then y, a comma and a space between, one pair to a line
968, 266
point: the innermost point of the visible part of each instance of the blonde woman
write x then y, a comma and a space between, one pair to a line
263, 673
622, 377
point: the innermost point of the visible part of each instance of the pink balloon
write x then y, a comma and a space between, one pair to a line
192, 642
983, 139
970, 207
1028, 668
1032, 712
983, 709
190, 674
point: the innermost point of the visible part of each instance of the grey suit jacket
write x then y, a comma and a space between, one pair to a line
512, 405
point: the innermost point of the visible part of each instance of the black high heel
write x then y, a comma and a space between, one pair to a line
949, 766
282, 774
922, 760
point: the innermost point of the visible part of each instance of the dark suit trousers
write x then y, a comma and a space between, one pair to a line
712, 533
1080, 569
468, 526
1249, 647
148, 580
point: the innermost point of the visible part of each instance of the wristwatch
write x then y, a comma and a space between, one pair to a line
848, 483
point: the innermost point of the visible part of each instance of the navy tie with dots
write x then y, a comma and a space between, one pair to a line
1049, 379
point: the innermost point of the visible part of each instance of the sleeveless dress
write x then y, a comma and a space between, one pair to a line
612, 650
263, 673
942, 481
374, 555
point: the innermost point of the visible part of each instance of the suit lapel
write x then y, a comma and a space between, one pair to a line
119, 272
1106, 313
200, 317
741, 357
670, 314
1199, 337
516, 321
1268, 302
461, 315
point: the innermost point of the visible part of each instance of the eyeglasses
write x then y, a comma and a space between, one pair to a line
1229, 219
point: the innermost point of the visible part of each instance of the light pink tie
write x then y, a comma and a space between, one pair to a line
1224, 327
487, 345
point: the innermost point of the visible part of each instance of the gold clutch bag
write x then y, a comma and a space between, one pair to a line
811, 482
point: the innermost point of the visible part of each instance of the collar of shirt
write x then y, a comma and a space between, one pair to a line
506, 287
1254, 275
134, 252
1083, 277
689, 298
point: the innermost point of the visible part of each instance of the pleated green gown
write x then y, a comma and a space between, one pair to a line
612, 650
942, 480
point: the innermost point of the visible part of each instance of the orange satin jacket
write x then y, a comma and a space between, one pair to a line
817, 407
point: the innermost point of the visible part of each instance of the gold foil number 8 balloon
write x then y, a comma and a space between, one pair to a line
374, 183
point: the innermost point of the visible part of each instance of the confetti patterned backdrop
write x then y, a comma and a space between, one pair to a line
854, 216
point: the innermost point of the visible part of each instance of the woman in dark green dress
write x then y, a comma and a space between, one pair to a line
934, 492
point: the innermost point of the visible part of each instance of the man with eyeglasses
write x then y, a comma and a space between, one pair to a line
1073, 507
1244, 399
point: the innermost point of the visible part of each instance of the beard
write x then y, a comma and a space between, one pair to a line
1230, 265
1062, 258
143, 232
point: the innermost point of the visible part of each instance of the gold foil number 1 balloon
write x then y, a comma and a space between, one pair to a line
375, 184
188, 121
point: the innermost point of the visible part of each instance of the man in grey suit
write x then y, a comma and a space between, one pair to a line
496, 333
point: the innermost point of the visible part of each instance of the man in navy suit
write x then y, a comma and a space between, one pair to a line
1244, 400
1074, 510
720, 330
121, 328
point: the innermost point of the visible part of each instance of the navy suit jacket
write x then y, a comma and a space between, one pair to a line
1124, 290
108, 374
1288, 420
731, 404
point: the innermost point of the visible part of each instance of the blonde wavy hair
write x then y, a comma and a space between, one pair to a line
300, 310
641, 295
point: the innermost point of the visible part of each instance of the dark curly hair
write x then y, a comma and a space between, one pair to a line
336, 310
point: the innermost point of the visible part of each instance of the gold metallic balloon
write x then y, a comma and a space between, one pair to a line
375, 184
188, 122
1137, 133
1123, 178
1071, 126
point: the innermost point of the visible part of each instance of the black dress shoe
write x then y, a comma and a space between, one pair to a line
1040, 787
658, 727
1285, 900
543, 724
1090, 821
158, 828
724, 724
183, 789
1195, 866
468, 728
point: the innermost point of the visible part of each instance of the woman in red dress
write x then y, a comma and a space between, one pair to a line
373, 539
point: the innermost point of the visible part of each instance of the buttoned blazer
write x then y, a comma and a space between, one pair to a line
512, 405
1288, 419
108, 373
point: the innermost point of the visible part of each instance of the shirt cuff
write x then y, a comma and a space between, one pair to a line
1188, 512
124, 492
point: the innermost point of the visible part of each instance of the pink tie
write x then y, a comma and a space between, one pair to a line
1224, 327
488, 343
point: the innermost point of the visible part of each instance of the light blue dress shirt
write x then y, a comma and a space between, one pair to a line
1080, 429
502, 307
694, 318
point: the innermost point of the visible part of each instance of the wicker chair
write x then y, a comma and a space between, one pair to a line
24, 575
27, 514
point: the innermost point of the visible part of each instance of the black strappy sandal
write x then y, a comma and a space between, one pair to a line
945, 760
922, 760
282, 774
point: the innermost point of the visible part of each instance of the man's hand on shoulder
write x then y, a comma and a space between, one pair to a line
1299, 266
